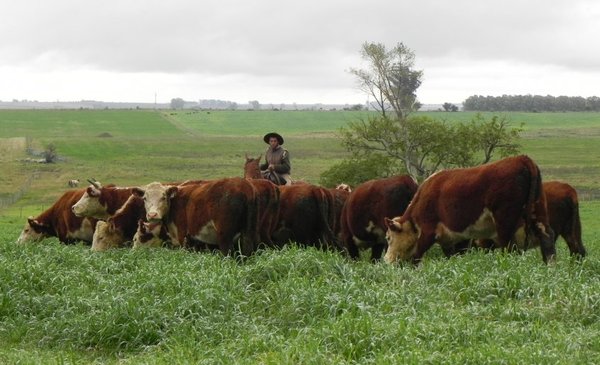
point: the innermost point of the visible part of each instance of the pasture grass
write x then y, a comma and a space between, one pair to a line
155, 306
66, 304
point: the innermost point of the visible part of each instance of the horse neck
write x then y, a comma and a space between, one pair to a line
252, 171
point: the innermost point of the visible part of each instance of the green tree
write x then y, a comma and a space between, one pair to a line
417, 145
390, 78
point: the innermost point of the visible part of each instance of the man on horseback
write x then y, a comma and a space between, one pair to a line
277, 165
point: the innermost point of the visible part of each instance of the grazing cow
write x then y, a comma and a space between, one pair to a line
150, 234
213, 213
59, 221
73, 183
363, 216
563, 215
120, 227
484, 202
304, 216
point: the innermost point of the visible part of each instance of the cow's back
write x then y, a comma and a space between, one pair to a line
305, 215
363, 214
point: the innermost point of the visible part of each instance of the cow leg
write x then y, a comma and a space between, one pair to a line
424, 243
458, 248
575, 246
547, 246
377, 251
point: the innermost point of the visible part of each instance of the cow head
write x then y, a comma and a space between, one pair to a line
157, 199
402, 240
89, 204
34, 231
148, 234
106, 236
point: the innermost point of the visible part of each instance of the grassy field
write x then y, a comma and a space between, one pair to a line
66, 304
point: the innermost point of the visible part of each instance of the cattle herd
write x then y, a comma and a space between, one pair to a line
503, 204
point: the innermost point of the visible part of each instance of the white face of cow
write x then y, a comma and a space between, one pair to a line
33, 231
89, 205
147, 235
402, 240
156, 199
106, 237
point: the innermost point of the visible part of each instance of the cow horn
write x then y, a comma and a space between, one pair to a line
95, 183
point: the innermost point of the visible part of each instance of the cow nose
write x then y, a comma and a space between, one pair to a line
152, 215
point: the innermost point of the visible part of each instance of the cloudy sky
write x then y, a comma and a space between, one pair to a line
278, 51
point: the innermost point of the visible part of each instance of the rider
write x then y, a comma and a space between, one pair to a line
277, 165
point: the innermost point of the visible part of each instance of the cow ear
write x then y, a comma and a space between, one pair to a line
172, 191
139, 192
110, 224
392, 225
35, 224
92, 191
141, 226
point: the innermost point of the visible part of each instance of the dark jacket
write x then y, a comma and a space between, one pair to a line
280, 158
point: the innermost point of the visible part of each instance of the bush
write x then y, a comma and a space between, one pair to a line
358, 170
50, 153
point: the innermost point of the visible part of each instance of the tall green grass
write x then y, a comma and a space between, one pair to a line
294, 306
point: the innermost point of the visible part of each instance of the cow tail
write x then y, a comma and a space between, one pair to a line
326, 210
576, 228
252, 234
535, 190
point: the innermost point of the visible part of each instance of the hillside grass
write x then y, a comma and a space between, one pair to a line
66, 304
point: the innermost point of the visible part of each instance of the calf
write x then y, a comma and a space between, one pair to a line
484, 202
121, 227
150, 234
563, 216
73, 183
59, 221
363, 216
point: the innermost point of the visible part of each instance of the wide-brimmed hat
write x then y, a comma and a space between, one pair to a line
273, 134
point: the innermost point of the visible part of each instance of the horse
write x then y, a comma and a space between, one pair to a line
252, 168
252, 171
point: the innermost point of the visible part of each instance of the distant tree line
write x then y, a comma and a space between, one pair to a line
531, 103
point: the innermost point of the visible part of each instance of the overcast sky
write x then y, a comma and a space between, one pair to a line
278, 51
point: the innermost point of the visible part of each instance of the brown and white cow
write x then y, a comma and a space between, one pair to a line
563, 216
120, 227
59, 221
363, 216
484, 202
305, 213
150, 234
73, 183
101, 202
213, 213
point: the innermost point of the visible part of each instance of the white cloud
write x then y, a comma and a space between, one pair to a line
292, 52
